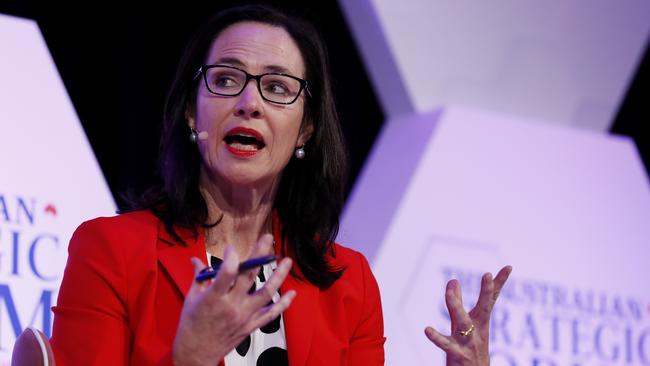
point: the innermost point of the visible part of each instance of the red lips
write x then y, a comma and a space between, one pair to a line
242, 141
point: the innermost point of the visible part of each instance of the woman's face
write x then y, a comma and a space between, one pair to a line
250, 140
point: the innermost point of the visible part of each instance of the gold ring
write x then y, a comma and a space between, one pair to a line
468, 332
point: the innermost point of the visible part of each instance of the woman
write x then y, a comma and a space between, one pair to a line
253, 164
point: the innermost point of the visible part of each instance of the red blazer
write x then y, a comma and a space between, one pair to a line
125, 281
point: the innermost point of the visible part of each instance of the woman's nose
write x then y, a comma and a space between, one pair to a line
250, 102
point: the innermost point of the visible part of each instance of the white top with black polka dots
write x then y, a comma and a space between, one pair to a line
266, 345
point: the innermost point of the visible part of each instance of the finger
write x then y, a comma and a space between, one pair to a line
244, 282
454, 301
265, 294
443, 342
500, 280
228, 271
460, 320
198, 266
268, 313
481, 312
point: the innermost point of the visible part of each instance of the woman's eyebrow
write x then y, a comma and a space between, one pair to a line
238, 63
229, 61
277, 68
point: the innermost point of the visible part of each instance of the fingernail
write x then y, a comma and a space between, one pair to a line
451, 288
289, 296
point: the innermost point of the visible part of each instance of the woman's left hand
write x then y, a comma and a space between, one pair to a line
468, 343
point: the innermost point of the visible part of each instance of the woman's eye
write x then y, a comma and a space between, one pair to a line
277, 88
224, 81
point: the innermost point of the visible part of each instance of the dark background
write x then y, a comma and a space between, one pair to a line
117, 63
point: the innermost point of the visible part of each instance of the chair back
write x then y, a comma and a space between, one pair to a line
32, 348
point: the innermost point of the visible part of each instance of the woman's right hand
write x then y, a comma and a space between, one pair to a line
217, 315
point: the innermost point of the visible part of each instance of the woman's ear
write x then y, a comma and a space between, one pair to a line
189, 117
306, 131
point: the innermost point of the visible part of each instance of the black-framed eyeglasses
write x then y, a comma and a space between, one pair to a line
230, 81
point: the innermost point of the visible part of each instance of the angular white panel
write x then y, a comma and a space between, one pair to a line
566, 62
50, 181
568, 209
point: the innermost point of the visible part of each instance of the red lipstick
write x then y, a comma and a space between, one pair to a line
242, 141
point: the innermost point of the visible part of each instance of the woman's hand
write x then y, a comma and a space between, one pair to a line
468, 343
217, 315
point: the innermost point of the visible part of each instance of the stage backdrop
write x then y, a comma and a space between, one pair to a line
49, 181
459, 192
562, 62
496, 152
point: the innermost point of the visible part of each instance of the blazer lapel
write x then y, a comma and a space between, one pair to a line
175, 257
299, 318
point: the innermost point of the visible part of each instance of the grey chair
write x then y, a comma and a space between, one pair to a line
32, 348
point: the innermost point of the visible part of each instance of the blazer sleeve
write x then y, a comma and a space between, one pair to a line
367, 343
90, 318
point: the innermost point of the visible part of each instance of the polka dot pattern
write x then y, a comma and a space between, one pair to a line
267, 345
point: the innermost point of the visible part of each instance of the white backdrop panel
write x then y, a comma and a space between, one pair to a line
50, 181
567, 208
566, 62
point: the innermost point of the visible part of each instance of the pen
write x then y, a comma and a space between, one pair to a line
211, 272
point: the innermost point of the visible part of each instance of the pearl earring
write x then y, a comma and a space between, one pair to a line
300, 152
194, 136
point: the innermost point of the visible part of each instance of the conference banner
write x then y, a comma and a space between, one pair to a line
50, 181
